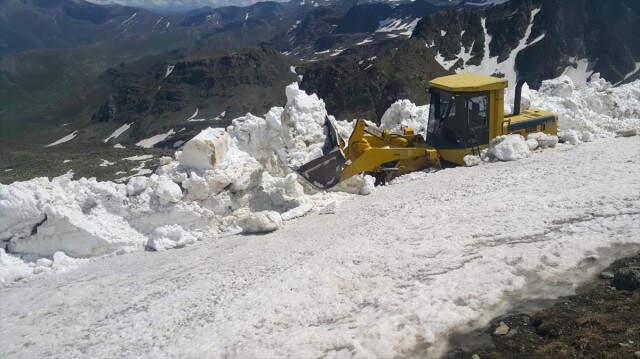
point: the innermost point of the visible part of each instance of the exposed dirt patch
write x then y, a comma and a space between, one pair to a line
600, 321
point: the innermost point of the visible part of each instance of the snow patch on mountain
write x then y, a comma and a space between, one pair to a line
120, 130
153, 140
64, 139
490, 65
402, 26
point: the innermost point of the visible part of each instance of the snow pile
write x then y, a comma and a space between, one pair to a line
508, 148
472, 160
595, 110
205, 149
260, 222
541, 140
13, 268
404, 113
238, 180
169, 236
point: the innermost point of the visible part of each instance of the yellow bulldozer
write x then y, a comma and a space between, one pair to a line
466, 113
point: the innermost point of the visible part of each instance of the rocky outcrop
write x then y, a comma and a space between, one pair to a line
194, 92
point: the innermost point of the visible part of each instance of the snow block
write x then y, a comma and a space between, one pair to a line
508, 148
471, 160
169, 236
168, 191
259, 222
204, 150
543, 140
404, 113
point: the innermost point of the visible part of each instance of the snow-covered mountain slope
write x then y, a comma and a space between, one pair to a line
538, 39
394, 273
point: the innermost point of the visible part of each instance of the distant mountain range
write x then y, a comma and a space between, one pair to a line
70, 65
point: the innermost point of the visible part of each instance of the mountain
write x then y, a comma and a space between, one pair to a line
539, 39
360, 56
192, 91
41, 24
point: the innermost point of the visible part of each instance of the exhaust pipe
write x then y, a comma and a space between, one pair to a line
518, 97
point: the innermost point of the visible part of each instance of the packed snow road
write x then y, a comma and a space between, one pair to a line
389, 274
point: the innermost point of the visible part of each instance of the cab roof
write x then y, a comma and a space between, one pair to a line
468, 82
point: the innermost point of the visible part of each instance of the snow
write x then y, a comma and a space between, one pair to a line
292, 69
402, 26
487, 2
169, 70
129, 19
472, 160
579, 71
490, 65
365, 41
393, 274
508, 148
64, 139
106, 163
260, 222
627, 76
404, 113
119, 146
168, 191
336, 52
390, 274
223, 181
153, 140
193, 118
138, 158
120, 130
595, 110
543, 140
205, 149
66, 161
168, 237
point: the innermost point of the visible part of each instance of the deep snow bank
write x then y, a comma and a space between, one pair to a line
595, 110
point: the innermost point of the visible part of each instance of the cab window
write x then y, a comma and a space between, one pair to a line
458, 120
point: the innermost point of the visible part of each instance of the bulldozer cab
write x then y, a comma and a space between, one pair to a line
458, 120
466, 112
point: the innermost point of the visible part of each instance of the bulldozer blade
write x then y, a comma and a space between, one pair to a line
323, 172
333, 141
